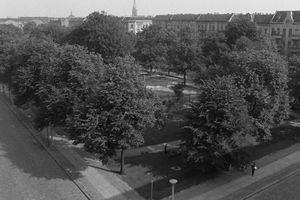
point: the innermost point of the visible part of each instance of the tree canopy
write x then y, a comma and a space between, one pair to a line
103, 34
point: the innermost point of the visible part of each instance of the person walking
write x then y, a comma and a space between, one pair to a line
165, 148
253, 168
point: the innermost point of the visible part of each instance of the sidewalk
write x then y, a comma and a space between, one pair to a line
92, 178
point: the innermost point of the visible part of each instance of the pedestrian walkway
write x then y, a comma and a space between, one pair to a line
95, 184
247, 180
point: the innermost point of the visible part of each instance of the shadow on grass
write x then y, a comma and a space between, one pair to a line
282, 138
159, 167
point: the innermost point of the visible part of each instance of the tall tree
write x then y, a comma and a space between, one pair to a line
184, 54
117, 113
219, 121
10, 36
103, 34
30, 57
152, 47
67, 81
241, 27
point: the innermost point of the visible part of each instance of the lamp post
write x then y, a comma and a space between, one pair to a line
151, 190
173, 182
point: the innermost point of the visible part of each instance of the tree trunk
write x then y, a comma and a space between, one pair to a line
48, 136
184, 78
122, 170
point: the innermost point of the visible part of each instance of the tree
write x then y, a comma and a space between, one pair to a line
29, 27
265, 76
31, 56
67, 81
219, 121
240, 27
52, 31
294, 82
152, 47
9, 38
184, 54
214, 49
103, 34
117, 113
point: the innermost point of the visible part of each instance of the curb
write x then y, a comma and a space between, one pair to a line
29, 127
266, 187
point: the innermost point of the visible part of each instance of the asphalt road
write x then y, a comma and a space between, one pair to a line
289, 189
27, 172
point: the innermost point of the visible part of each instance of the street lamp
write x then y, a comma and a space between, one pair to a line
173, 182
151, 190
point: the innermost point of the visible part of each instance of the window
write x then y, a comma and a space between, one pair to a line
290, 32
273, 31
296, 31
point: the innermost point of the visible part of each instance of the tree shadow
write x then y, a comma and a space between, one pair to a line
23, 153
160, 167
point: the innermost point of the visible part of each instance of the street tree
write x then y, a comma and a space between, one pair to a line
264, 74
9, 38
219, 121
66, 81
115, 115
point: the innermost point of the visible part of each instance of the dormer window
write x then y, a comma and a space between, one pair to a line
288, 21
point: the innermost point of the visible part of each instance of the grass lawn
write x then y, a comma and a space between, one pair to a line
141, 169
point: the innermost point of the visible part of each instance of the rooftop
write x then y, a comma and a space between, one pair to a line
263, 18
214, 17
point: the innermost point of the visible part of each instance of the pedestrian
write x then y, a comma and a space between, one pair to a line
253, 168
165, 148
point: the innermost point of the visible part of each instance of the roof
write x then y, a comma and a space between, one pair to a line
279, 16
263, 18
162, 17
214, 17
137, 18
184, 17
241, 17
296, 16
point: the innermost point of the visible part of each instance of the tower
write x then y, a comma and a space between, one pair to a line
134, 10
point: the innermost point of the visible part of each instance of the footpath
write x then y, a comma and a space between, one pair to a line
98, 182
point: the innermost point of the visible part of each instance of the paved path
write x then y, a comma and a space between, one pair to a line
247, 180
95, 184
27, 171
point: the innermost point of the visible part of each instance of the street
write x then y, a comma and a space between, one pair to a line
27, 172
289, 189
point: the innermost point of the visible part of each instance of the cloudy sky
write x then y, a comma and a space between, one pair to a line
81, 8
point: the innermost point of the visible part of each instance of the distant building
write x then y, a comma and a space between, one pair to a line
202, 23
72, 21
285, 30
135, 23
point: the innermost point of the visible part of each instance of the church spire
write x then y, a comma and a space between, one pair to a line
134, 10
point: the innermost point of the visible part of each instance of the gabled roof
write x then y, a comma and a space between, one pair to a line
241, 17
184, 17
296, 16
279, 16
162, 17
214, 17
262, 18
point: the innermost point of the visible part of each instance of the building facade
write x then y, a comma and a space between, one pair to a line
135, 23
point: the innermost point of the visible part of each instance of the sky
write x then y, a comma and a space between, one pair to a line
81, 8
